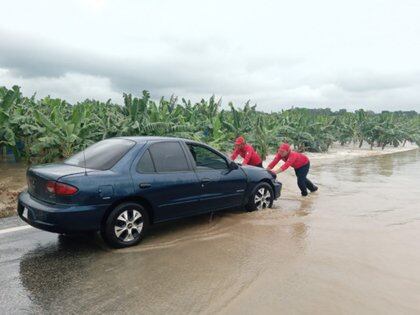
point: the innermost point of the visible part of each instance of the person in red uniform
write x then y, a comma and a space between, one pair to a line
299, 162
247, 152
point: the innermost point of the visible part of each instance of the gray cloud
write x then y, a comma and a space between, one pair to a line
278, 54
373, 82
185, 68
31, 57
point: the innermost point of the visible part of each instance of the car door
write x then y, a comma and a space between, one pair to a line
221, 186
164, 176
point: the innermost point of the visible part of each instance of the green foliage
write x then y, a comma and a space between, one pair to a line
47, 129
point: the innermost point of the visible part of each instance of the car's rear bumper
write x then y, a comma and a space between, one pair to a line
60, 218
277, 189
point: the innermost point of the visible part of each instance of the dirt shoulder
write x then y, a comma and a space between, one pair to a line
12, 181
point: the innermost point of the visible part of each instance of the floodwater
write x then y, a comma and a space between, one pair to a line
351, 248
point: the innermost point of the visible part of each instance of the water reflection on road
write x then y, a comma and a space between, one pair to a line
352, 247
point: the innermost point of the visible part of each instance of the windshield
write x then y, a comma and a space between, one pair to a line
102, 155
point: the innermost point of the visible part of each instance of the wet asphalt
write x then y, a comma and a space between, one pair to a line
43, 272
36, 267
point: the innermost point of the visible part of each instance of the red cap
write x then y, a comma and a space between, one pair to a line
284, 147
240, 140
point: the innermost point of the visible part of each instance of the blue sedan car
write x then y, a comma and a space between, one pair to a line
121, 186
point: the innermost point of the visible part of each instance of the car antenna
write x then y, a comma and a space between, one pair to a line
84, 159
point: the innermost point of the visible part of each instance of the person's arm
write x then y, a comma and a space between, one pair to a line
291, 159
247, 157
274, 162
234, 154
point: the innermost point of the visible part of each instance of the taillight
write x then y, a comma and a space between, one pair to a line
61, 189
51, 187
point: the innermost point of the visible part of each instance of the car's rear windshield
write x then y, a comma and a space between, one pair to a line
102, 155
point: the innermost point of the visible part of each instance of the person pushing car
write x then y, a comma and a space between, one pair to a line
247, 152
299, 162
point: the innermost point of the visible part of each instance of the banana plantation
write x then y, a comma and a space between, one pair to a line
47, 129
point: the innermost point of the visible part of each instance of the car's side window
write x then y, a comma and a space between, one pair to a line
206, 159
145, 164
169, 157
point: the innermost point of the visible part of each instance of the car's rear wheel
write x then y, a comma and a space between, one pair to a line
262, 197
126, 225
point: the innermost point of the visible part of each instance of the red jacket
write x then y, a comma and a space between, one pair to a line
293, 159
249, 155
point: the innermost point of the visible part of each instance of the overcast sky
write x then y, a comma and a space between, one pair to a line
324, 53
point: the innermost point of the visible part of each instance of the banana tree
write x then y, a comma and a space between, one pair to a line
51, 129
8, 99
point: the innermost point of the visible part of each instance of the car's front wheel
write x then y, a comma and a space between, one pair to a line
125, 225
262, 197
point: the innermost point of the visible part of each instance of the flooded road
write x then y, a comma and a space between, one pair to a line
352, 247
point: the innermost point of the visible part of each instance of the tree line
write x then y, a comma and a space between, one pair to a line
47, 129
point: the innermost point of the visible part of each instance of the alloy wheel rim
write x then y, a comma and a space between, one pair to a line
262, 198
128, 225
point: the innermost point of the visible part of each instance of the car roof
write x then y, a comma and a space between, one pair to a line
139, 139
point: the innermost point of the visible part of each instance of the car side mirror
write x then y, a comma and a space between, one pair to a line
233, 165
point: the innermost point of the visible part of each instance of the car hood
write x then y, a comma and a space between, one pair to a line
254, 172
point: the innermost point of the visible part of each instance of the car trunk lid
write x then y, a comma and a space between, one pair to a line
38, 177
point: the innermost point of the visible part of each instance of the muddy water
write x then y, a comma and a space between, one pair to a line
353, 247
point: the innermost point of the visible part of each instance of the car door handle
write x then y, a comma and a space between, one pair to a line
145, 185
206, 180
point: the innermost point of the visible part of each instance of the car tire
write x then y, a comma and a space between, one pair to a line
125, 225
262, 197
